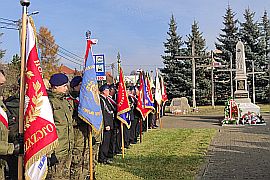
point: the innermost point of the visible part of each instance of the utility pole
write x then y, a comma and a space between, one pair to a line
193, 76
118, 62
112, 66
212, 79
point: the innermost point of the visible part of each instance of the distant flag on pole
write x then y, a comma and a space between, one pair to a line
148, 96
163, 91
89, 105
123, 108
40, 136
144, 105
158, 95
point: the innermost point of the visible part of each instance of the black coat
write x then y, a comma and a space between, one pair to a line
107, 111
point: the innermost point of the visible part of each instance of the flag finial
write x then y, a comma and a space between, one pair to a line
88, 34
25, 3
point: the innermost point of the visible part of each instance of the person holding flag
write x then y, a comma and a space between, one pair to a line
134, 121
89, 109
107, 112
60, 159
80, 154
5, 148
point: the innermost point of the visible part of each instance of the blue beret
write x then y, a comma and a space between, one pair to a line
103, 87
75, 81
58, 79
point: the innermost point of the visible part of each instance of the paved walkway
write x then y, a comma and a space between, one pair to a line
235, 152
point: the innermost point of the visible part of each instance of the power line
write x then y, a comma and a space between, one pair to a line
61, 47
62, 52
61, 55
5, 19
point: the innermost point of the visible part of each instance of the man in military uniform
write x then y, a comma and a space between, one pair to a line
60, 160
80, 160
107, 113
5, 148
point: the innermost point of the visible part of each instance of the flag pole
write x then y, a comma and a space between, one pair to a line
25, 4
141, 130
147, 121
122, 125
88, 34
91, 153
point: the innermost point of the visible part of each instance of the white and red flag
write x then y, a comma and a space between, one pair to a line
163, 90
3, 117
40, 135
158, 95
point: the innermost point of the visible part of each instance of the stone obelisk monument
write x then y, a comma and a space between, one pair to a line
241, 95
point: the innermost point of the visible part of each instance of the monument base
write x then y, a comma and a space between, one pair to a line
242, 112
247, 106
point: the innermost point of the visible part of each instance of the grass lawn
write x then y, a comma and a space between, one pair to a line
265, 108
163, 154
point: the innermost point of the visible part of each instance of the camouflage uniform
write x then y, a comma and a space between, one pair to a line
5, 148
62, 113
80, 159
12, 105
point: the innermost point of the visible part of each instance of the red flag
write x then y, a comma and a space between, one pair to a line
163, 91
123, 107
40, 135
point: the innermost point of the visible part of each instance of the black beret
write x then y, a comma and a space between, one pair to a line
103, 87
75, 81
131, 88
112, 86
58, 79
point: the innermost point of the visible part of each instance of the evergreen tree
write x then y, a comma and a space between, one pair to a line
254, 50
203, 78
176, 73
265, 29
226, 44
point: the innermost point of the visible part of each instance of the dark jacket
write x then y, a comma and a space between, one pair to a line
107, 112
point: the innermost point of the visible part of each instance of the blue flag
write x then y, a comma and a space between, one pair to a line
148, 100
89, 106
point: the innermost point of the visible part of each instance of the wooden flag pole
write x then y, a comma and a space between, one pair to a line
122, 126
141, 130
91, 154
147, 121
123, 145
25, 4
160, 122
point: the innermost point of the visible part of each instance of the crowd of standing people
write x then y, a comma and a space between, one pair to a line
70, 159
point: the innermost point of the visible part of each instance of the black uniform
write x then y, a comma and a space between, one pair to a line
134, 121
107, 113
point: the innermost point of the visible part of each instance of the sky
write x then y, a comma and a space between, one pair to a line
134, 28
